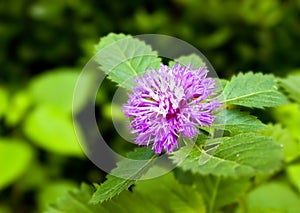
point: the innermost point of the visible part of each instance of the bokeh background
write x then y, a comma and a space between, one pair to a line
44, 45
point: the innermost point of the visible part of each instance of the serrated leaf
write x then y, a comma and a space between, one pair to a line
291, 85
108, 40
130, 169
240, 155
194, 60
123, 58
236, 121
253, 90
220, 191
159, 195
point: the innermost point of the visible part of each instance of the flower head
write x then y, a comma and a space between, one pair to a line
170, 102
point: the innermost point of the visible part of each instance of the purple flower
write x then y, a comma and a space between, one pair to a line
170, 102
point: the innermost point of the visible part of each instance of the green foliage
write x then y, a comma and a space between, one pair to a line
224, 159
19, 104
236, 121
3, 101
288, 116
253, 90
40, 35
15, 158
50, 192
163, 194
257, 34
293, 173
291, 147
194, 60
124, 57
291, 86
271, 197
240, 155
76, 201
56, 134
48, 124
55, 88
130, 170
168, 195
219, 191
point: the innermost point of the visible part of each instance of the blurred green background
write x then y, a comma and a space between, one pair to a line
44, 45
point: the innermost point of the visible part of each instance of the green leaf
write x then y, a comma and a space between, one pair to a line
293, 173
291, 147
110, 39
3, 101
50, 191
253, 90
132, 169
289, 116
216, 38
4, 208
274, 196
55, 88
51, 129
220, 191
15, 158
236, 121
169, 195
240, 155
159, 195
19, 104
36, 176
123, 58
291, 85
76, 202
193, 59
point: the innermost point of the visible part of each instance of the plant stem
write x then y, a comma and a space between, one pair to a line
214, 195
